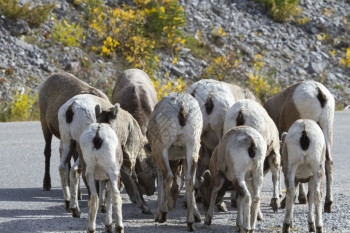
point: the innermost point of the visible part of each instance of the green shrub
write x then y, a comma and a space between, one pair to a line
282, 10
24, 107
34, 16
68, 34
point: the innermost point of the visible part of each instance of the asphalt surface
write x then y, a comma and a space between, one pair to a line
25, 207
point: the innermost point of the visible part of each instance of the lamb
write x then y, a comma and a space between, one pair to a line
103, 157
174, 133
303, 156
251, 113
236, 163
135, 93
82, 110
53, 93
307, 100
214, 98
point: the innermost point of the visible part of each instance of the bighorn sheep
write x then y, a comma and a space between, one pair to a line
236, 163
303, 156
103, 157
307, 100
174, 133
214, 98
135, 93
251, 113
82, 110
53, 93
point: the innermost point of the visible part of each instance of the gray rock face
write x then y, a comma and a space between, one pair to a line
293, 51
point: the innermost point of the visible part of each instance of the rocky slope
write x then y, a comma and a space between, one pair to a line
290, 51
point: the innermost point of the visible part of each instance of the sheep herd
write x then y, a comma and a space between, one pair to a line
213, 138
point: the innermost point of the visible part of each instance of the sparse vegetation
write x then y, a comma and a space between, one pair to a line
282, 10
34, 16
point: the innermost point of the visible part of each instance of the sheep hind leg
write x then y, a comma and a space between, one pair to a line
113, 195
275, 170
290, 198
160, 216
329, 182
64, 173
47, 153
310, 197
74, 175
102, 196
318, 204
93, 199
133, 191
218, 183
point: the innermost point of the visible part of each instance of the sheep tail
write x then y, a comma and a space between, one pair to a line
97, 139
69, 114
304, 141
252, 148
209, 104
182, 114
240, 118
321, 97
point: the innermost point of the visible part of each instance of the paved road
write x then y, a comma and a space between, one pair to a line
24, 207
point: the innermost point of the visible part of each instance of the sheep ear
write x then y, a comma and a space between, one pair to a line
206, 177
147, 148
97, 111
283, 137
115, 110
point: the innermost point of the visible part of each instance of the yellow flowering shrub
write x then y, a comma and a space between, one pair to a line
261, 84
169, 86
345, 61
137, 32
22, 108
220, 67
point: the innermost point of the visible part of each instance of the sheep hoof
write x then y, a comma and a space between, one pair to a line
302, 200
311, 227
328, 207
233, 204
90, 231
47, 184
274, 204
222, 207
286, 228
283, 203
161, 217
319, 230
119, 229
197, 218
75, 212
103, 209
191, 226
207, 221
108, 228
260, 216
66, 204
146, 210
